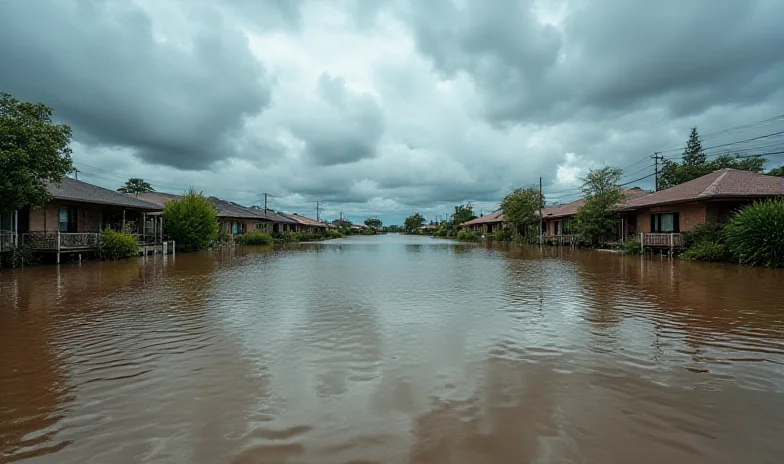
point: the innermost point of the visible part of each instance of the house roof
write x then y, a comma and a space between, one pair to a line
570, 209
76, 190
158, 198
724, 183
487, 219
303, 220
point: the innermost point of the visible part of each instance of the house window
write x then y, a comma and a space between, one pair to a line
665, 223
557, 228
67, 220
566, 226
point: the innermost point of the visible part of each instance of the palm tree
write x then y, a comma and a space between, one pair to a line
135, 186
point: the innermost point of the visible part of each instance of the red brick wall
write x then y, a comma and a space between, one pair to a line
690, 215
46, 218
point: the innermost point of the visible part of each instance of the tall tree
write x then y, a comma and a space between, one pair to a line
463, 213
135, 186
33, 152
778, 172
596, 218
693, 154
521, 212
191, 221
413, 223
374, 223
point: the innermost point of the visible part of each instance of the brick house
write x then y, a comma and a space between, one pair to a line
305, 224
488, 224
662, 216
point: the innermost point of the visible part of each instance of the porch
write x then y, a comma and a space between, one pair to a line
561, 239
662, 240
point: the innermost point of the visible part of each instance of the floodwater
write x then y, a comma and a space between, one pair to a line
392, 349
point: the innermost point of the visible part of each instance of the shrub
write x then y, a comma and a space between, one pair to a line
632, 247
755, 235
706, 251
332, 233
466, 235
191, 221
223, 237
18, 257
255, 238
117, 245
503, 235
710, 232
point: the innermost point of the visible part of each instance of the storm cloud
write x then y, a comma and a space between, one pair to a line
385, 108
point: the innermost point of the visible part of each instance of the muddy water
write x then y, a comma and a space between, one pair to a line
392, 349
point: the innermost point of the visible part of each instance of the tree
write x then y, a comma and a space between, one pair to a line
778, 172
413, 223
693, 154
374, 223
33, 152
695, 164
191, 221
135, 186
521, 211
595, 219
463, 213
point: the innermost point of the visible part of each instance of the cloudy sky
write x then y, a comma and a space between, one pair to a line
389, 107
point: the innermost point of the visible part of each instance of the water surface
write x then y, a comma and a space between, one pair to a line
392, 349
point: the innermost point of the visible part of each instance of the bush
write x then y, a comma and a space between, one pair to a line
191, 221
18, 257
332, 233
223, 237
706, 251
255, 238
466, 235
503, 235
117, 245
709, 232
632, 246
755, 235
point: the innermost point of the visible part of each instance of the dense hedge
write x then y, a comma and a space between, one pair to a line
755, 235
255, 238
466, 235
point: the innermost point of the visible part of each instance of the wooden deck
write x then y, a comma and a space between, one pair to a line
658, 240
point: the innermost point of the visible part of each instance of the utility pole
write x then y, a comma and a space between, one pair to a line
76, 174
541, 219
656, 157
317, 212
265, 201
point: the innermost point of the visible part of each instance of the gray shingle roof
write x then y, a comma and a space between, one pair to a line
76, 190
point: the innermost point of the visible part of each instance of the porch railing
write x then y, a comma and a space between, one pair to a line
562, 239
674, 240
60, 240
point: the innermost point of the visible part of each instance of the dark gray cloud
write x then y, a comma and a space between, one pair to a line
101, 67
343, 128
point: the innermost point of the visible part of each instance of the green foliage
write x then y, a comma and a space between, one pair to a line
255, 238
466, 235
595, 219
521, 211
18, 257
695, 164
33, 152
117, 245
135, 186
463, 213
333, 234
394, 229
413, 223
706, 251
778, 172
191, 221
632, 246
374, 223
755, 235
708, 232
503, 235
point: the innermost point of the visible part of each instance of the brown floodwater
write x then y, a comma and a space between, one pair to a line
392, 349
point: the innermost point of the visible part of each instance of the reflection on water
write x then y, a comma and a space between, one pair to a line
391, 349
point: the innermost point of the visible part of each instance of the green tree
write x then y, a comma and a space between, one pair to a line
191, 221
374, 223
33, 152
596, 218
778, 172
521, 212
695, 164
463, 213
135, 186
413, 223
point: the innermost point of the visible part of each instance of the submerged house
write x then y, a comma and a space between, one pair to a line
305, 224
661, 217
77, 212
488, 224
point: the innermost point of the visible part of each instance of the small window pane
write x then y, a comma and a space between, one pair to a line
667, 222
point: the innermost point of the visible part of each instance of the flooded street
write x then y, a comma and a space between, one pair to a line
392, 349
